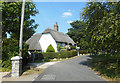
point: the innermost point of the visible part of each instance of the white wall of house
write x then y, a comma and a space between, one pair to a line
46, 40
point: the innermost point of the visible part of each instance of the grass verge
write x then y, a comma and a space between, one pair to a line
107, 66
57, 59
32, 71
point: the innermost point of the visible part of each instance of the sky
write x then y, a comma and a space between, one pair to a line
60, 0
61, 12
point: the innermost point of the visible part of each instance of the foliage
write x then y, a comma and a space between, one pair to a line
99, 30
83, 51
11, 19
73, 47
50, 49
78, 34
106, 65
58, 47
103, 26
63, 54
10, 49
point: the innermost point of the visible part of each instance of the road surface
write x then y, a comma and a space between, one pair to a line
70, 70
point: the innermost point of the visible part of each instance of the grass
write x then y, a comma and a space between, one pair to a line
51, 60
5, 69
0, 69
106, 66
32, 71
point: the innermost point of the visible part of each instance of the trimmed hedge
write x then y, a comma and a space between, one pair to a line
83, 51
50, 49
62, 54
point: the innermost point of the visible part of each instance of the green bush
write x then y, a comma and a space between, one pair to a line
10, 49
64, 54
73, 47
83, 51
49, 55
61, 54
58, 47
50, 49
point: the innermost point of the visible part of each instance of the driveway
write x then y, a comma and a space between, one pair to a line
70, 70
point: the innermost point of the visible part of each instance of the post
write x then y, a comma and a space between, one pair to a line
17, 60
78, 50
16, 66
21, 29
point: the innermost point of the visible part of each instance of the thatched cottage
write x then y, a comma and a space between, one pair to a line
41, 41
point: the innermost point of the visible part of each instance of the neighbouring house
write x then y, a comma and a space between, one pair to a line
41, 41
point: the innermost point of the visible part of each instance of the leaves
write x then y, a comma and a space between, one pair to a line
102, 25
78, 34
50, 49
11, 19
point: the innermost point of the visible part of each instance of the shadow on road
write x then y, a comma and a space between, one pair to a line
85, 61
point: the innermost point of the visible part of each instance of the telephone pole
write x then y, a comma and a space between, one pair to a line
21, 29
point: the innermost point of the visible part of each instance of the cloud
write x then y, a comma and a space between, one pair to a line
65, 14
69, 22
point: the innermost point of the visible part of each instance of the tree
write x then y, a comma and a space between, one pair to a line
10, 49
78, 34
103, 26
11, 16
50, 49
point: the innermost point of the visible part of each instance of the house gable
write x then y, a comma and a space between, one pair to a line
47, 39
59, 36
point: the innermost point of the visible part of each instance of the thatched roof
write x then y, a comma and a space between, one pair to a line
58, 36
34, 42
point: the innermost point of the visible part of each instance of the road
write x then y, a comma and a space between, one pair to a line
70, 70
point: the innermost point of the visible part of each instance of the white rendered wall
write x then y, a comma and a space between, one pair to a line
46, 40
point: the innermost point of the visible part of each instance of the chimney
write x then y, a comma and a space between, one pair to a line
56, 27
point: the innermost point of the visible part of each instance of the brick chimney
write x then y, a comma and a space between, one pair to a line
56, 27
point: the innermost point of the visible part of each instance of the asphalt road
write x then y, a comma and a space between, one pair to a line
70, 70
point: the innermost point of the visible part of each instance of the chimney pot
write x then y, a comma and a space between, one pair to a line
56, 26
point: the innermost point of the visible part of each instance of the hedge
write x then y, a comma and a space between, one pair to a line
83, 51
62, 54
50, 49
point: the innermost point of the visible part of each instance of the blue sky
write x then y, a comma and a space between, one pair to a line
60, 0
61, 12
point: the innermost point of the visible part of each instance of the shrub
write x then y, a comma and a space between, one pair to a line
83, 51
50, 49
10, 49
49, 55
64, 54
61, 54
58, 47
72, 47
